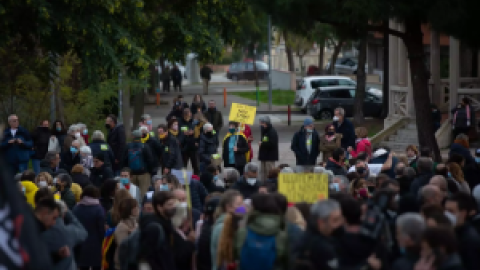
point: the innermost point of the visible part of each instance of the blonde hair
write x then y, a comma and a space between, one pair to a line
456, 172
294, 216
120, 195
78, 168
45, 175
361, 132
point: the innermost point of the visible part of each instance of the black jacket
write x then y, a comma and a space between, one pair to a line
176, 75
336, 168
187, 143
405, 183
118, 142
99, 175
147, 157
155, 148
207, 180
468, 246
207, 146
348, 133
215, 118
316, 252
45, 167
177, 113
69, 160
194, 107
299, 147
198, 194
41, 138
407, 261
268, 150
420, 181
245, 188
240, 155
171, 155
81, 179
204, 258
100, 146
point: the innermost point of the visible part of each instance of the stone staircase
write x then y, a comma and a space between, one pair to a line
404, 136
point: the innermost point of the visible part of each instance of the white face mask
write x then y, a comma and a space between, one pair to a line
42, 184
251, 181
335, 118
77, 134
183, 204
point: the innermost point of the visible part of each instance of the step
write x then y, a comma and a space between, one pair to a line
406, 132
404, 138
396, 146
410, 126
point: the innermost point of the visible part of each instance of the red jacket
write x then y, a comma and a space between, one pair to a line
364, 145
248, 132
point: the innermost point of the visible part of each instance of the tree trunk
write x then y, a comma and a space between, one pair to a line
138, 106
336, 52
321, 57
289, 52
358, 117
419, 76
126, 110
386, 71
302, 68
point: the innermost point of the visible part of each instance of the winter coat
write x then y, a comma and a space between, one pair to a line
176, 75
121, 233
418, 182
195, 106
17, 153
99, 175
245, 188
41, 138
100, 146
215, 118
171, 155
348, 133
327, 147
204, 257
60, 135
178, 114
363, 145
67, 142
299, 147
268, 149
183, 250
463, 117
30, 191
92, 218
456, 148
335, 167
45, 167
155, 149
242, 150
198, 194
81, 179
207, 146
468, 246
216, 233
147, 157
68, 160
118, 142
187, 143
106, 203
265, 225
406, 261
68, 197
381, 159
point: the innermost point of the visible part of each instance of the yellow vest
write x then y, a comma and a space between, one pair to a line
247, 154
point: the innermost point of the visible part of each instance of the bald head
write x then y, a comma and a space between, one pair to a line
180, 195
440, 182
431, 195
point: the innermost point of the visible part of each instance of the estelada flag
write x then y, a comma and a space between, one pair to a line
20, 243
106, 248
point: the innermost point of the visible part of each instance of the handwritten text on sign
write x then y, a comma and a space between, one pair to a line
242, 113
303, 187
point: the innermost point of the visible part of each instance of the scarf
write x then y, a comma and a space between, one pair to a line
144, 140
411, 159
89, 201
336, 162
127, 186
330, 138
467, 108
173, 132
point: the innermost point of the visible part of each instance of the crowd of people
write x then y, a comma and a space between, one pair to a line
105, 203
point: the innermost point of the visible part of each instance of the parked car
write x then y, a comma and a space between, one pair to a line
307, 86
346, 66
244, 71
326, 99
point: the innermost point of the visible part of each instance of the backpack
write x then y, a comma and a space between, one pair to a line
258, 252
135, 158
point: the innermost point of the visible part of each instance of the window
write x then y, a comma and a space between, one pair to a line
346, 83
340, 93
323, 83
322, 94
249, 66
261, 65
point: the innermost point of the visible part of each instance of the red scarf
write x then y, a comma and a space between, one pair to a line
127, 186
334, 161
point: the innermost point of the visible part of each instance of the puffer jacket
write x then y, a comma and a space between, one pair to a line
207, 147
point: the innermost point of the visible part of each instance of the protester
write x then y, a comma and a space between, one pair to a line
16, 144
461, 146
344, 127
455, 171
79, 177
329, 142
41, 138
146, 121
112, 217
86, 158
424, 168
387, 159
441, 183
58, 133
176, 113
248, 184
116, 140
214, 116
154, 145
171, 154
430, 195
362, 143
335, 163
268, 147
204, 256
83, 132
128, 215
100, 171
64, 184
188, 143
91, 214
107, 192
43, 179
98, 145
306, 144
198, 105
463, 117
71, 157
410, 228
235, 148
439, 250
206, 75
207, 148
51, 164
412, 155
165, 76
29, 188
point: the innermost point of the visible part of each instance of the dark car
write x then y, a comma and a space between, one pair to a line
325, 99
244, 71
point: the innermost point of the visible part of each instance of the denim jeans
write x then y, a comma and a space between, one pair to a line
22, 167
36, 166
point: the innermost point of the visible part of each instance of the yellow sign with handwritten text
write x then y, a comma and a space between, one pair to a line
303, 187
242, 113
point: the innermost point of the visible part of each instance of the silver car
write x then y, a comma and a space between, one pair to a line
346, 66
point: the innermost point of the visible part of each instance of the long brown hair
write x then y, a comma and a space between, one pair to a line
456, 172
225, 243
120, 195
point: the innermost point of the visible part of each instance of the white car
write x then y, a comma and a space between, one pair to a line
307, 86
346, 66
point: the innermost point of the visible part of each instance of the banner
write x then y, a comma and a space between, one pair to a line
303, 187
242, 113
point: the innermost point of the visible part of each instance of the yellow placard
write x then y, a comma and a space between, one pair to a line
242, 113
303, 187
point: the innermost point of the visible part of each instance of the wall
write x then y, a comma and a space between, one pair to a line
283, 80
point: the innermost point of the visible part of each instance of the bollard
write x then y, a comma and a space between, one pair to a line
224, 97
289, 115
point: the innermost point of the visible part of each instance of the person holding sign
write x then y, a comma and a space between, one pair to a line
235, 148
268, 147
305, 144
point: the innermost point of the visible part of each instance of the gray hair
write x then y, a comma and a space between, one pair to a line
265, 119
340, 110
409, 171
98, 135
287, 170
424, 164
66, 178
461, 136
145, 117
73, 128
251, 167
411, 225
51, 156
343, 180
323, 209
231, 175
428, 191
81, 125
86, 150
207, 125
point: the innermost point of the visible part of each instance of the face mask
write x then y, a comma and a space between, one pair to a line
335, 186
231, 130
209, 133
477, 159
183, 205
338, 232
251, 181
85, 131
59, 129
149, 122
309, 130
175, 127
124, 181
77, 135
169, 213
164, 187
242, 210
449, 174
215, 178
23, 190
73, 150
43, 184
361, 170
107, 126
335, 119
330, 133
195, 122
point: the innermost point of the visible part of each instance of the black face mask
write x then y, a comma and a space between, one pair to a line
338, 232
330, 133
371, 189
107, 126
209, 134
361, 170
169, 213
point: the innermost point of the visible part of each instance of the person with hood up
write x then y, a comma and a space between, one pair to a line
188, 143
235, 148
336, 162
156, 232
171, 155
146, 121
248, 184
58, 133
344, 127
154, 145
91, 214
207, 147
100, 171
329, 142
16, 145
41, 138
268, 147
306, 144
98, 145
117, 141
362, 144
